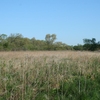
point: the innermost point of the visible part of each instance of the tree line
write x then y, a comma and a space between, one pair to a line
89, 45
16, 42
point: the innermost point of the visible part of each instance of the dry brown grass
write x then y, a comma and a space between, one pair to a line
18, 57
31, 69
27, 59
58, 54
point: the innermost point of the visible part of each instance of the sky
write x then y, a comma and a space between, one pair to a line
70, 20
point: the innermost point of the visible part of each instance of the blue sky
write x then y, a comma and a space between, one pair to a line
70, 20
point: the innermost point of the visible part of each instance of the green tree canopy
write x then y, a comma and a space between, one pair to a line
50, 38
90, 44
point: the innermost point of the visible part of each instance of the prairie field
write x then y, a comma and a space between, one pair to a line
49, 75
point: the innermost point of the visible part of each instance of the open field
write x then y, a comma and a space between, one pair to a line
50, 75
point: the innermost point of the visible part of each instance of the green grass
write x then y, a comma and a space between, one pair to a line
43, 79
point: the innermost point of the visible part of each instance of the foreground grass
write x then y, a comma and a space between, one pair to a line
49, 76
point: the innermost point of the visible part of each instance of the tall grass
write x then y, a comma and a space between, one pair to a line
49, 76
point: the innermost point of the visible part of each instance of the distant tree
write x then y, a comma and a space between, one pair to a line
61, 46
89, 41
50, 40
93, 41
90, 44
98, 45
78, 47
3, 37
15, 41
3, 41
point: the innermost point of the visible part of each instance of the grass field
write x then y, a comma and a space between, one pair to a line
50, 75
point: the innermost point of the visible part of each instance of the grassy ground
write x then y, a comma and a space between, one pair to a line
49, 75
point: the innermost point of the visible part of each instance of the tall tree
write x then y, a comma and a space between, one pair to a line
90, 44
3, 41
3, 37
50, 38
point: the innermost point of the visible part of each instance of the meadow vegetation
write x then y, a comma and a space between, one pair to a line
49, 75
